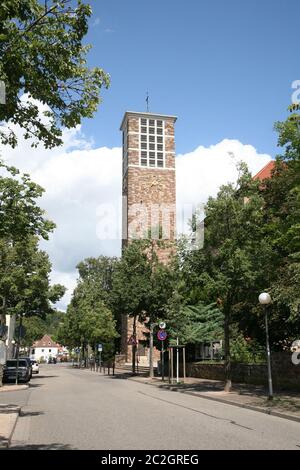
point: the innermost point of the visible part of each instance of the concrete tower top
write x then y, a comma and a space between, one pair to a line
146, 115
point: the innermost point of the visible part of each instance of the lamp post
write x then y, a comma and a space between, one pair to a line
151, 372
265, 299
18, 345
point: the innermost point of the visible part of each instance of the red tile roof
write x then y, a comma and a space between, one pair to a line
45, 342
265, 172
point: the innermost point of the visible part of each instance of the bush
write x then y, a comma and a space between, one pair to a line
246, 351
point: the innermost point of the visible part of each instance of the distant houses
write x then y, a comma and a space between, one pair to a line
45, 349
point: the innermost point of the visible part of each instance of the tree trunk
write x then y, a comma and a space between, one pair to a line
134, 345
228, 383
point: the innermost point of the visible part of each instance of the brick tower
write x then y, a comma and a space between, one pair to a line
149, 190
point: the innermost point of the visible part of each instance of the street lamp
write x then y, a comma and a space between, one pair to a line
265, 299
18, 345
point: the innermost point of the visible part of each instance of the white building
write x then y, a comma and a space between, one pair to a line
44, 349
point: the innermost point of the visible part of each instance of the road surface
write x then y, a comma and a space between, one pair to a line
67, 408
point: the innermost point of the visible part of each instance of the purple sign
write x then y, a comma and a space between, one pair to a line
162, 335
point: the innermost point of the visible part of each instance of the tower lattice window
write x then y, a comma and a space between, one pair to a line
152, 152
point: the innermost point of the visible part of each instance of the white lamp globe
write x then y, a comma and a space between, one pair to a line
264, 298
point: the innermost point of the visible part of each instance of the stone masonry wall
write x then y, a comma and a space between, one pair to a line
285, 375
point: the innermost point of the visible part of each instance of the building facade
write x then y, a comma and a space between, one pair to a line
149, 194
44, 349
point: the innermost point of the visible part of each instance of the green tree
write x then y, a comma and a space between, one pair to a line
43, 56
24, 269
230, 268
142, 285
35, 328
24, 279
89, 320
282, 199
196, 323
20, 216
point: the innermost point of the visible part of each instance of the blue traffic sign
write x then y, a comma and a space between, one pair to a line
162, 335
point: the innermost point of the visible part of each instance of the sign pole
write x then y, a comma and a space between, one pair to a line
177, 362
184, 372
172, 367
151, 373
162, 362
169, 365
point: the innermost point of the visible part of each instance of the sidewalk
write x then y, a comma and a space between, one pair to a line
8, 415
254, 397
8, 419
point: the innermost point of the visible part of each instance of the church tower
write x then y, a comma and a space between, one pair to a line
149, 186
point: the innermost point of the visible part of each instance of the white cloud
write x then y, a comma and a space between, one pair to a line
201, 172
78, 178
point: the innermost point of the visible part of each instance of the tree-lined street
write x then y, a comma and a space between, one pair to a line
66, 408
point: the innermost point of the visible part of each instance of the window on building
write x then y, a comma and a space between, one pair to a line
49, 350
152, 143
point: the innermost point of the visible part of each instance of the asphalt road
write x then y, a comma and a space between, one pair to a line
66, 408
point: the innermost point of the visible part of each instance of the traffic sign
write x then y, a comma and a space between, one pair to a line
132, 340
3, 330
20, 331
162, 325
162, 335
100, 347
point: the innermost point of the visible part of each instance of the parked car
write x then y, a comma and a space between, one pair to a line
10, 371
35, 367
29, 362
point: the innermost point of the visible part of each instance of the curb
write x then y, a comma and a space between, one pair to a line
259, 409
13, 388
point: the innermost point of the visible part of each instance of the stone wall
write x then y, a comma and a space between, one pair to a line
285, 375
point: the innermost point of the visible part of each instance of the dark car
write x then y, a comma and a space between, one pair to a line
29, 362
10, 371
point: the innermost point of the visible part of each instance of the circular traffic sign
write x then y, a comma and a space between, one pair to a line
162, 335
162, 325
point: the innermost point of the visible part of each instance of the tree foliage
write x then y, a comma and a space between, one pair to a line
89, 320
24, 279
43, 58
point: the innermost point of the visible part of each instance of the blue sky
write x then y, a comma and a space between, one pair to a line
225, 68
